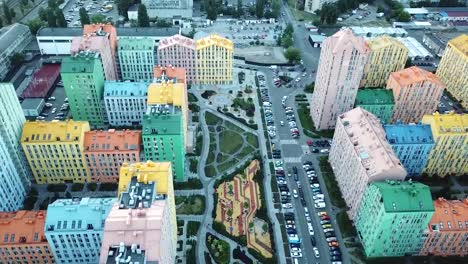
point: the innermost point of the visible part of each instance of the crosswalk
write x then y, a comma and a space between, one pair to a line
292, 159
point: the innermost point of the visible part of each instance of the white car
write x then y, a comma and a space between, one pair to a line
296, 254
298, 79
320, 205
281, 123
295, 193
40, 118
54, 110
48, 104
287, 206
311, 229
295, 249
316, 252
324, 150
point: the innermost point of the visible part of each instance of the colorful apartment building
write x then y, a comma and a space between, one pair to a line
74, 228
386, 55
125, 103
136, 58
447, 232
140, 218
23, 239
416, 91
392, 217
165, 72
54, 151
339, 73
379, 102
106, 151
104, 30
123, 252
360, 154
83, 80
214, 60
453, 67
449, 154
412, 144
12, 191
178, 51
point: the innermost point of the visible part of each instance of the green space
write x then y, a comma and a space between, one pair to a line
192, 228
299, 14
330, 181
252, 139
191, 183
308, 124
211, 119
192, 98
210, 171
229, 141
193, 165
346, 227
191, 253
191, 205
219, 249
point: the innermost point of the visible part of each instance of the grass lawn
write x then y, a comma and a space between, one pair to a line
330, 181
347, 229
220, 158
192, 228
211, 156
193, 205
219, 249
227, 165
211, 119
246, 151
252, 139
192, 98
298, 14
231, 126
308, 124
193, 165
229, 141
210, 171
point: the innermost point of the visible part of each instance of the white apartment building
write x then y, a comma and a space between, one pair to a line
13, 39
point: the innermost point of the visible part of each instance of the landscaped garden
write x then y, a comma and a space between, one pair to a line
190, 205
308, 124
219, 249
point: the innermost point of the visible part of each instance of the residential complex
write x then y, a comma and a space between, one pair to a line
106, 151
125, 103
136, 58
23, 239
178, 51
83, 80
447, 230
74, 228
453, 67
392, 218
416, 91
412, 144
449, 154
379, 102
169, 9
12, 191
340, 69
103, 30
214, 60
360, 154
13, 39
386, 55
54, 150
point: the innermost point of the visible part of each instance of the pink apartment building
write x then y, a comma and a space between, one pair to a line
360, 154
106, 151
107, 30
178, 51
417, 93
340, 70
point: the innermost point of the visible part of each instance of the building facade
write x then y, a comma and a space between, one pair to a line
106, 151
310, 6
136, 58
54, 151
13, 39
12, 191
74, 228
23, 239
214, 60
125, 103
178, 51
446, 233
392, 218
340, 70
448, 156
453, 67
416, 91
412, 144
83, 80
103, 30
360, 155
169, 9
379, 102
386, 55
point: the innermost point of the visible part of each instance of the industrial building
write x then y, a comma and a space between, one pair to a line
32, 107
42, 82
371, 32
169, 9
416, 51
316, 40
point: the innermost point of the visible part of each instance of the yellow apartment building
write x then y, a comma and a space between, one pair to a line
158, 172
450, 152
387, 55
54, 150
214, 60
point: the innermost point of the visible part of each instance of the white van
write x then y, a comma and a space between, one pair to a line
295, 193
320, 205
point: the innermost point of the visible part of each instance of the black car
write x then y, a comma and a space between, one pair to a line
303, 202
291, 231
312, 240
336, 258
334, 248
335, 253
294, 169
296, 177
330, 234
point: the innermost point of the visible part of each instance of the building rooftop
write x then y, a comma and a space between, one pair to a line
214, 39
53, 131
163, 73
409, 134
42, 81
372, 96
82, 62
454, 212
317, 38
22, 227
414, 74
450, 123
384, 41
31, 103
60, 32
166, 93
121, 31
8, 34
176, 40
126, 254
415, 48
377, 31
346, 37
162, 119
159, 172
112, 140
132, 43
460, 43
88, 42
139, 195
124, 89
405, 196
147, 31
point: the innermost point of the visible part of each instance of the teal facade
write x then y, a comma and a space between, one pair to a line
136, 58
392, 217
379, 102
83, 80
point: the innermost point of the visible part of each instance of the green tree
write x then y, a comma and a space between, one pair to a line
1, 22
98, 18
16, 59
43, 13
7, 14
12, 13
84, 17
52, 4
51, 19
380, 9
122, 7
404, 17
61, 22
240, 10
276, 8
252, 10
143, 19
24, 2
211, 9
34, 25
260, 8
286, 41
292, 54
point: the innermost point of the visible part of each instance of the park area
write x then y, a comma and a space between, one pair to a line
190, 205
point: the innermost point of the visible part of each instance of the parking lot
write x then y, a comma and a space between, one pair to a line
48, 112
93, 7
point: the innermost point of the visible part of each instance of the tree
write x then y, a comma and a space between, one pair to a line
286, 41
51, 19
122, 6
34, 25
251, 10
52, 4
240, 10
12, 13
404, 17
24, 2
61, 22
1, 22
84, 17
6, 13
292, 54
211, 9
42, 14
143, 19
98, 18
380, 9
276, 8
260, 8
16, 59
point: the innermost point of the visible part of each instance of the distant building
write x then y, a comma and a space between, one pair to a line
132, 12
453, 67
136, 58
379, 102
412, 144
32, 107
125, 103
392, 218
106, 151
337, 83
448, 156
416, 51
360, 154
316, 40
178, 51
23, 232
372, 32
13, 39
107, 31
454, 16
169, 9
416, 91
447, 231
310, 6
54, 151
214, 60
74, 228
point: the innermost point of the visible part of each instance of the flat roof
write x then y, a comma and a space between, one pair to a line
9, 33
372, 96
60, 32
121, 32
31, 103
317, 38
409, 134
417, 11
42, 81
405, 196
415, 48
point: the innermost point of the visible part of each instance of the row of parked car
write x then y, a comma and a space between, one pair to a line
291, 119
267, 106
330, 236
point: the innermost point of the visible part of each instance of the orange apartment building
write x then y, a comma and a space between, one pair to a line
22, 238
106, 151
447, 232
171, 72
102, 30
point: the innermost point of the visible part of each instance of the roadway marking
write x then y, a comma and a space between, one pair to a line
288, 142
292, 159
305, 149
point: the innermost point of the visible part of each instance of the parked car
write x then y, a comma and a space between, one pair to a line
316, 252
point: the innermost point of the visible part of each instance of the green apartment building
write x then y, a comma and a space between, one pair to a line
379, 102
83, 80
136, 58
163, 137
392, 217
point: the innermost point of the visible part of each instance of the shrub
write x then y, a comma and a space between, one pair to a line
77, 187
208, 93
29, 202
92, 186
56, 187
108, 187
191, 183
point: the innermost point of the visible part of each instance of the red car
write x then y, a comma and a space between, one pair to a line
310, 142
